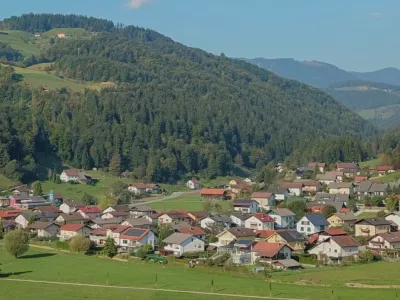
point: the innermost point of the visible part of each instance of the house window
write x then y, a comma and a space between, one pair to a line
124, 242
308, 229
301, 228
335, 251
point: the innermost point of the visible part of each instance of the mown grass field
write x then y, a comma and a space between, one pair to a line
370, 163
190, 202
6, 183
22, 41
46, 265
368, 214
389, 177
104, 181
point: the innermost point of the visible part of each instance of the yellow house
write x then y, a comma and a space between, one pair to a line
291, 237
341, 219
235, 234
372, 226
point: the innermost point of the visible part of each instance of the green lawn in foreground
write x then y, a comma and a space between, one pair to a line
68, 267
21, 41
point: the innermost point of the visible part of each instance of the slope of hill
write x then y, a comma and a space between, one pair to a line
387, 75
314, 73
19, 40
177, 110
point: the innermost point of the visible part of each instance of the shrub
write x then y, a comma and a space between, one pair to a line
16, 242
79, 244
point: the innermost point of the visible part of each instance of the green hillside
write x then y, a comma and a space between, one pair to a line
22, 41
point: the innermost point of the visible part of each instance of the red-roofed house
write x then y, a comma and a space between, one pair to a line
213, 194
382, 170
265, 200
136, 237
335, 248
260, 221
264, 234
9, 214
114, 231
360, 178
271, 251
90, 212
196, 231
70, 230
193, 184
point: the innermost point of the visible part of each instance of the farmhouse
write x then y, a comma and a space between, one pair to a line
382, 170
76, 176
284, 218
70, 230
143, 188
213, 194
265, 199
259, 221
181, 243
193, 184
44, 229
245, 206
371, 226
311, 223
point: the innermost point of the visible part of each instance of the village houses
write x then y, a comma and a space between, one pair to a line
342, 219
70, 230
44, 229
193, 184
246, 206
259, 221
312, 223
180, 243
75, 176
371, 226
284, 218
235, 234
335, 248
384, 242
265, 200
346, 188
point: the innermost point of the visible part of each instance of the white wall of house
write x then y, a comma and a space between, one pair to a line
191, 185
136, 191
49, 231
283, 222
332, 249
23, 223
89, 215
256, 224
306, 227
285, 251
192, 244
239, 222
207, 223
108, 210
379, 242
164, 219
394, 218
67, 209
295, 191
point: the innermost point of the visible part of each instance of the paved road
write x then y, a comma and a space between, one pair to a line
147, 289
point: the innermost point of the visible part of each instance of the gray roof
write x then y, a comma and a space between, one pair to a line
325, 177
291, 236
337, 185
378, 187
177, 238
346, 216
331, 197
371, 187
40, 225
138, 221
283, 212
72, 217
288, 263
374, 221
100, 221
220, 218
317, 219
143, 207
241, 231
241, 216
29, 214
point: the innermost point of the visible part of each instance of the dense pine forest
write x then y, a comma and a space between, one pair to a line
173, 111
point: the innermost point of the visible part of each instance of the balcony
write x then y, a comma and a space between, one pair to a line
364, 230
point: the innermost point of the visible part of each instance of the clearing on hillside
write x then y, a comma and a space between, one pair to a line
19, 40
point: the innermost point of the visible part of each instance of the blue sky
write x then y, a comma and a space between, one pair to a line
359, 35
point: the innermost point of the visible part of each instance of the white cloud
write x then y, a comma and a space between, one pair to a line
135, 4
375, 15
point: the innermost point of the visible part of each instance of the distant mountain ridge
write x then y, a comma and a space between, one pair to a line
322, 75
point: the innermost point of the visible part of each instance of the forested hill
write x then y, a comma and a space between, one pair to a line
174, 110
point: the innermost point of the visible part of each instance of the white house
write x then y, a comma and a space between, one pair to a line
137, 189
279, 193
295, 188
395, 218
385, 241
336, 247
44, 229
239, 218
172, 216
259, 222
193, 184
284, 218
265, 200
75, 175
181, 243
216, 220
246, 206
69, 207
115, 232
23, 218
312, 223
70, 230
136, 237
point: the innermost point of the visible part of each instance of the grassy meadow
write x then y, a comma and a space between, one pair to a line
189, 201
48, 265
19, 40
